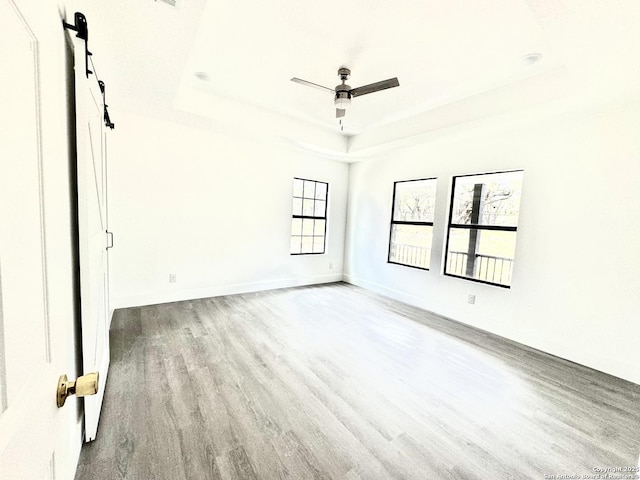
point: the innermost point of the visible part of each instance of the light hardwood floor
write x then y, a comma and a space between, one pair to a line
335, 382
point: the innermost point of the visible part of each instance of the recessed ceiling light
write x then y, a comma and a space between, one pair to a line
532, 58
204, 76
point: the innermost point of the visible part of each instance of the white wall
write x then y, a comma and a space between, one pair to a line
577, 267
213, 209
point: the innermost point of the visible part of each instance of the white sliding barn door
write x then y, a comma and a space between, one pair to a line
92, 227
30, 435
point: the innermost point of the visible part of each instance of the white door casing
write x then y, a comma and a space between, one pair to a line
28, 370
92, 228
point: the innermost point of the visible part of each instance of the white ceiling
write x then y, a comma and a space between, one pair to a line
456, 60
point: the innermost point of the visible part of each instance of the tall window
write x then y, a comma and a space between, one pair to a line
412, 222
309, 222
483, 221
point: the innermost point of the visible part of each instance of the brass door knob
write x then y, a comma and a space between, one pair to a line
83, 386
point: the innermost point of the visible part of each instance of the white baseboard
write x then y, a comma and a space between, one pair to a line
554, 347
166, 296
393, 293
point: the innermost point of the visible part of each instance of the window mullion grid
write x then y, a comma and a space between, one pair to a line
311, 196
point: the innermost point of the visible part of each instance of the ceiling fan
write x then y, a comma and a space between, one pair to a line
343, 92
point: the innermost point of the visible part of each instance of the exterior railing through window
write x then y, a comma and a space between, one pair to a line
488, 268
410, 255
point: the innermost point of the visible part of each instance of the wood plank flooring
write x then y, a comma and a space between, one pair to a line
335, 382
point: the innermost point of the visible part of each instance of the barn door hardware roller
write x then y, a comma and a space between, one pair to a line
107, 120
82, 32
82, 387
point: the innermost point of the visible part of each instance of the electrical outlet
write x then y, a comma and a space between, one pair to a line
471, 299
172, 278
330, 266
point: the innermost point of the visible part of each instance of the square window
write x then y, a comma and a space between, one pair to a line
321, 191
297, 206
309, 189
318, 244
297, 187
320, 208
319, 227
296, 227
308, 207
296, 243
307, 245
307, 226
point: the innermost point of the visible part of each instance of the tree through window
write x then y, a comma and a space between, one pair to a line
483, 221
411, 234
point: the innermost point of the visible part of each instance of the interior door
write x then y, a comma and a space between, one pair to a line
92, 229
29, 437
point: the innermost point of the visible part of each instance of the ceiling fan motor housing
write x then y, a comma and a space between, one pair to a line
343, 94
344, 73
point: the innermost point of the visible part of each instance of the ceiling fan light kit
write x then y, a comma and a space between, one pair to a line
342, 100
343, 93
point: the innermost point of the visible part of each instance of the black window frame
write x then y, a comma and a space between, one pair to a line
478, 227
312, 217
403, 222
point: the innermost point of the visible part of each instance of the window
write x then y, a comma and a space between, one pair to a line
412, 222
483, 221
309, 223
